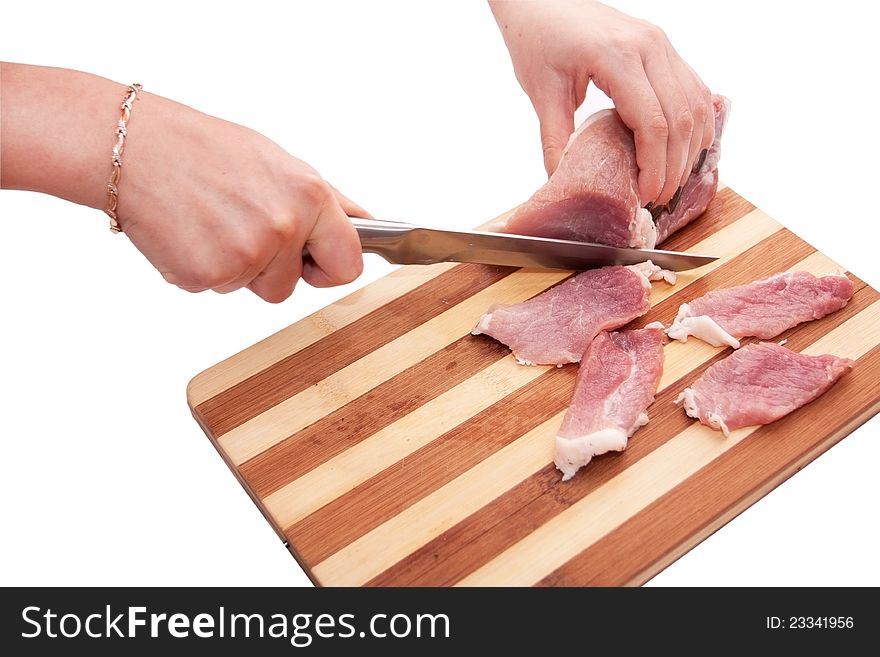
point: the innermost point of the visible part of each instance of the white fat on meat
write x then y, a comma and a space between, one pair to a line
574, 453
702, 326
652, 272
713, 419
643, 230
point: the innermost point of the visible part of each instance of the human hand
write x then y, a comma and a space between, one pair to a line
214, 205
558, 47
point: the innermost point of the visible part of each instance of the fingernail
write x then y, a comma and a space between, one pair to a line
656, 211
674, 200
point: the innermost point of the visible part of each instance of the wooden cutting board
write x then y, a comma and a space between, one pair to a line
388, 446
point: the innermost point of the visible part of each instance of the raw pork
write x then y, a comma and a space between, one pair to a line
758, 384
763, 309
593, 194
616, 382
558, 325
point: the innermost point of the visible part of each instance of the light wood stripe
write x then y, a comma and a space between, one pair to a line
318, 325
396, 441
297, 412
585, 522
680, 359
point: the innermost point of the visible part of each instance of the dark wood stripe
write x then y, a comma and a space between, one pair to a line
401, 485
369, 413
725, 208
488, 532
305, 368
711, 497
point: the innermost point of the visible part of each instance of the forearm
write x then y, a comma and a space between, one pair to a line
57, 131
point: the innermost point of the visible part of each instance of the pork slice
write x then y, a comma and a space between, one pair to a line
593, 194
556, 326
759, 384
616, 383
763, 309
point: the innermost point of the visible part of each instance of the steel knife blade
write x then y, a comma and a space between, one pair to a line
410, 244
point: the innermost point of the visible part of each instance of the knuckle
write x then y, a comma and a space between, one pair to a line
189, 281
282, 228
248, 253
209, 277
550, 143
314, 188
684, 120
629, 53
651, 33
656, 126
701, 111
190, 285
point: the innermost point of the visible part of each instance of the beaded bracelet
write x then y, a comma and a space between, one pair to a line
118, 150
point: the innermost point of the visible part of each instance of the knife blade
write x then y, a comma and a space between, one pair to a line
410, 244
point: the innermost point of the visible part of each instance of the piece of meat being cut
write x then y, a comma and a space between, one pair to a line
558, 325
616, 383
593, 194
762, 309
759, 384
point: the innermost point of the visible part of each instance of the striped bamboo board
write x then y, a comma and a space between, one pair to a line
388, 446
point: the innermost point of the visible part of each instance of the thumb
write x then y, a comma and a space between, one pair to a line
557, 124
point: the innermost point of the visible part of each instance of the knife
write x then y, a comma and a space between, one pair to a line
409, 244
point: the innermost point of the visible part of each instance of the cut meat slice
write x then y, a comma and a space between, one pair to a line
556, 326
759, 384
763, 309
593, 194
616, 383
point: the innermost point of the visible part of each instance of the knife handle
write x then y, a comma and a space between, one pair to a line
377, 236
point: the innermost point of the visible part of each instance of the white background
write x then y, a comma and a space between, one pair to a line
412, 110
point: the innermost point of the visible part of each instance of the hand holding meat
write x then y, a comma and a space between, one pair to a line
558, 47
